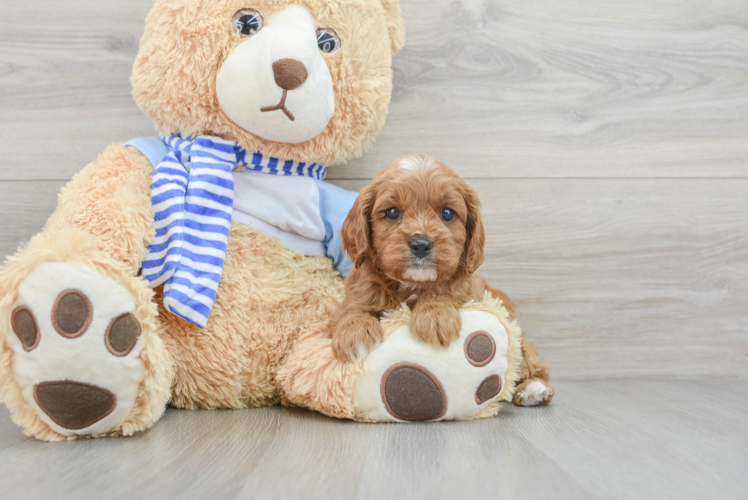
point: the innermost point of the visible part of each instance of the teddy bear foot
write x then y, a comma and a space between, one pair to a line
404, 380
77, 348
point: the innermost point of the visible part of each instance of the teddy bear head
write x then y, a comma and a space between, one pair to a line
305, 80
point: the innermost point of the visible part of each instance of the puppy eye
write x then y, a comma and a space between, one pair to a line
392, 213
328, 41
448, 215
247, 22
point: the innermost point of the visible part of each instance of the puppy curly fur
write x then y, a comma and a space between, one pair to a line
387, 274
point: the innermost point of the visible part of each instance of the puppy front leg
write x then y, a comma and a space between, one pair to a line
436, 321
355, 335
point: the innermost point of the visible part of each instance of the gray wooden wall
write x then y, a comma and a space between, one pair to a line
609, 141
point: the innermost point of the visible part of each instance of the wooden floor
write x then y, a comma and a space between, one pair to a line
609, 439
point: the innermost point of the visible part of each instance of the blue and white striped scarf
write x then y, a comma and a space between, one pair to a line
193, 198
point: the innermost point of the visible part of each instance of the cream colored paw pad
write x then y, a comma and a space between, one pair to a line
76, 349
404, 380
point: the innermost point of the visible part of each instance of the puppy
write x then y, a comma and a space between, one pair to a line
415, 235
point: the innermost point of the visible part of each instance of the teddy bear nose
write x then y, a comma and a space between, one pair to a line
289, 73
420, 248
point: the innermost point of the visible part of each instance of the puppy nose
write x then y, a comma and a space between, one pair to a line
289, 73
420, 248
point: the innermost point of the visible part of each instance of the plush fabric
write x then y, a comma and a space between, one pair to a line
311, 377
186, 41
82, 249
104, 223
193, 195
264, 342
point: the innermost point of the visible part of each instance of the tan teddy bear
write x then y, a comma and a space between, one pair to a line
198, 268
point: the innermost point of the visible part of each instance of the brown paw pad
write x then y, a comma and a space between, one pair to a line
72, 314
488, 389
25, 327
412, 393
480, 348
122, 334
74, 405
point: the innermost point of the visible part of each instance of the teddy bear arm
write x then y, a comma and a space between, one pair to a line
110, 199
81, 326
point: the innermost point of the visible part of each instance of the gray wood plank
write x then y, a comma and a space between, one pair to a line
612, 277
604, 439
25, 206
10, 433
500, 88
571, 89
636, 440
65, 86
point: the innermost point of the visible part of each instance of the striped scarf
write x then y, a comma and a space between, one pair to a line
193, 198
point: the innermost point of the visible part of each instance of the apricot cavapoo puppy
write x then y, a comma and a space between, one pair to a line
415, 235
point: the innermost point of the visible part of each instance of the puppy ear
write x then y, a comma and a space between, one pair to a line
394, 24
476, 235
356, 232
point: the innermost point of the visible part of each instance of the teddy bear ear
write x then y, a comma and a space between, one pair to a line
394, 24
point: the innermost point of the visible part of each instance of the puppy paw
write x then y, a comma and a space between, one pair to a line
355, 336
436, 325
533, 393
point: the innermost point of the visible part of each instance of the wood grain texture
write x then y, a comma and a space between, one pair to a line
611, 439
25, 207
496, 88
65, 85
620, 277
509, 88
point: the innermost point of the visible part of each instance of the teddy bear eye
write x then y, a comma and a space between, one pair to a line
448, 215
247, 22
392, 213
328, 41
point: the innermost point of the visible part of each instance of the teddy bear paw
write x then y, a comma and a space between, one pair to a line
407, 380
77, 346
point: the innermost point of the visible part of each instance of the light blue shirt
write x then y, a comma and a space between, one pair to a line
305, 213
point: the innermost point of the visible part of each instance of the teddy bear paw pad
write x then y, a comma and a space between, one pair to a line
404, 380
411, 392
77, 348
488, 389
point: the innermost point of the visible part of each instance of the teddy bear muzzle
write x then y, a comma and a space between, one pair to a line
289, 74
276, 84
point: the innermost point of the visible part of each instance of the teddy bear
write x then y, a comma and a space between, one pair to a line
197, 269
